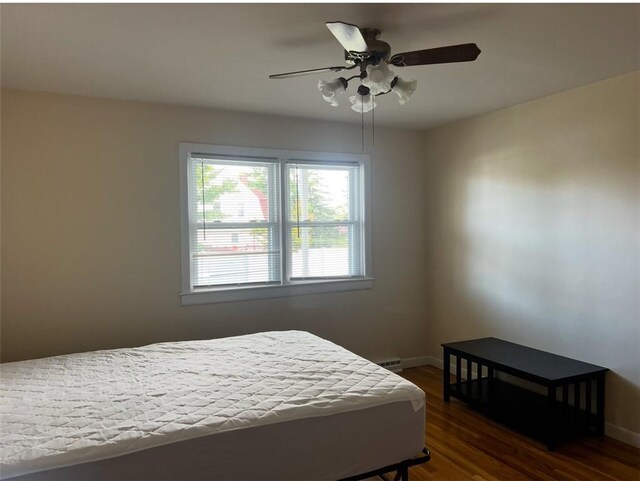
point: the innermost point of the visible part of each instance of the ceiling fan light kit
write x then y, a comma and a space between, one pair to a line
379, 80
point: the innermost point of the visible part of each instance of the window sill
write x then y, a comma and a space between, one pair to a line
234, 294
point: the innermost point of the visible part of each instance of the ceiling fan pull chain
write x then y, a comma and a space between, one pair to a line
297, 204
373, 122
362, 121
204, 210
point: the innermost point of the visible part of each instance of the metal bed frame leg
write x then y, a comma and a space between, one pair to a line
404, 473
401, 469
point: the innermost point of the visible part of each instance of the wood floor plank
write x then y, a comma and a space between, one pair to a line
465, 445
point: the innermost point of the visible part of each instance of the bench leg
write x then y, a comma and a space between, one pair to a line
446, 376
600, 404
551, 422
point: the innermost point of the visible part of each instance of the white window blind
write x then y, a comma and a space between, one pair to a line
235, 238
325, 228
261, 223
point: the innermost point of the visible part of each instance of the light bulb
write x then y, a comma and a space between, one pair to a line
362, 103
378, 78
331, 89
404, 89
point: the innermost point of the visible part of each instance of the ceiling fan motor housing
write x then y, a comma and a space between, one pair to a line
378, 50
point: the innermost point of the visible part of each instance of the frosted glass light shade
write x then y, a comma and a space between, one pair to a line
404, 89
362, 103
331, 89
379, 78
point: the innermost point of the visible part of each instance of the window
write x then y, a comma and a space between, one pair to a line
259, 223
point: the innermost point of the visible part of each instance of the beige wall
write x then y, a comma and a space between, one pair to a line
91, 237
533, 232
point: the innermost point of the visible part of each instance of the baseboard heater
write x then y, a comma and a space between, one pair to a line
393, 365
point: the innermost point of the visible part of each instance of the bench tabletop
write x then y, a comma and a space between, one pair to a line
540, 364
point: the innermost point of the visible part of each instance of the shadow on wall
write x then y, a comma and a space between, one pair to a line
542, 260
532, 256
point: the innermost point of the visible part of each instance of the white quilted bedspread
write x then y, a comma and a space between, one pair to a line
66, 410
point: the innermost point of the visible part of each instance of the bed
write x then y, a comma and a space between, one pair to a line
283, 405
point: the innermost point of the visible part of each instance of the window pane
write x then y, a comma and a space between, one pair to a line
327, 197
226, 196
231, 191
235, 256
324, 251
320, 194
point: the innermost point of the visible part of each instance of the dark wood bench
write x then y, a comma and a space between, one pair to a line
571, 400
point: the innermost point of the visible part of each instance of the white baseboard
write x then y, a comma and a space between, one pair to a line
616, 432
417, 361
622, 434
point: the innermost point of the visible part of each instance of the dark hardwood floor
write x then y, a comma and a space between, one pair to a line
467, 446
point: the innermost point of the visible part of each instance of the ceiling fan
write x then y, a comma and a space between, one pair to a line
364, 51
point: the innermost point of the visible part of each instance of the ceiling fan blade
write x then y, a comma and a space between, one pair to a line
466, 52
349, 36
300, 73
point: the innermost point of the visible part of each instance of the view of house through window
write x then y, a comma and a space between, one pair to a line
239, 236
235, 233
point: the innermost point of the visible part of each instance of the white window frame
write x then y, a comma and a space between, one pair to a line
191, 295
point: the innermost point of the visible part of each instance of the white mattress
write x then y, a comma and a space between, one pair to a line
84, 408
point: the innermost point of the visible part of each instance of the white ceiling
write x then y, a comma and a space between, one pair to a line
219, 55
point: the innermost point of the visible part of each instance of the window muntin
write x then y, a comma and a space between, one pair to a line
247, 233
